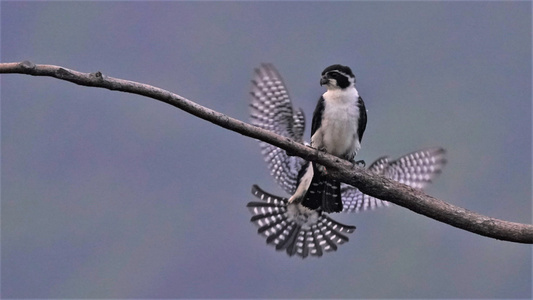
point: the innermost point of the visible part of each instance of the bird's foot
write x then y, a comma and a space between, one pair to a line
359, 163
321, 169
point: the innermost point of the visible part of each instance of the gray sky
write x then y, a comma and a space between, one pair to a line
111, 195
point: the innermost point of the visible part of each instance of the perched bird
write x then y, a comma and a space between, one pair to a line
339, 122
291, 226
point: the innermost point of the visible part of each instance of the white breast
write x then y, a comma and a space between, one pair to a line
339, 124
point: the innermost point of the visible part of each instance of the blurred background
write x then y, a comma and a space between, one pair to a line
112, 195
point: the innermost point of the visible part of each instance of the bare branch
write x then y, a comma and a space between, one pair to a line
371, 184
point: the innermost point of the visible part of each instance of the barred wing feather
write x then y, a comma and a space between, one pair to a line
271, 109
416, 169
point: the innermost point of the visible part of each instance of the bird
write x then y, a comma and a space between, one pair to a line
338, 125
290, 226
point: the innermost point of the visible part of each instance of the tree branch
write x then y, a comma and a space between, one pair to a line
370, 184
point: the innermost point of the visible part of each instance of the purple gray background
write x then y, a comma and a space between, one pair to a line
112, 195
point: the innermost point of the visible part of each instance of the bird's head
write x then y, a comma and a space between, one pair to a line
337, 77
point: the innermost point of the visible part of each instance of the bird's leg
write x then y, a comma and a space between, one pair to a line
321, 168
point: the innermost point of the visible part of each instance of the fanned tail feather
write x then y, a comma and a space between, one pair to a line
295, 228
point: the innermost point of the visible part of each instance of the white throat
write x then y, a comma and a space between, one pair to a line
342, 96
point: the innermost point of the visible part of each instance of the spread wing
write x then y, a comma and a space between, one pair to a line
295, 228
271, 109
416, 169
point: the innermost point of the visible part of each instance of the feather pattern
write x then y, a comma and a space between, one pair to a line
271, 109
294, 228
416, 169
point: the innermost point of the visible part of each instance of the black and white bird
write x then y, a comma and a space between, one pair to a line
293, 227
339, 122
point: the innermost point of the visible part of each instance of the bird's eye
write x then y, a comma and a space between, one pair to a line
333, 74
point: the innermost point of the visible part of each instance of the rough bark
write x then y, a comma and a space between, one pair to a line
371, 184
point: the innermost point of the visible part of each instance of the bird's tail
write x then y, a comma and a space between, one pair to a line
323, 192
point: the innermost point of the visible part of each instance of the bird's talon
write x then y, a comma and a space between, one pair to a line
360, 163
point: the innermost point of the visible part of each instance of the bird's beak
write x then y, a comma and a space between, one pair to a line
324, 80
